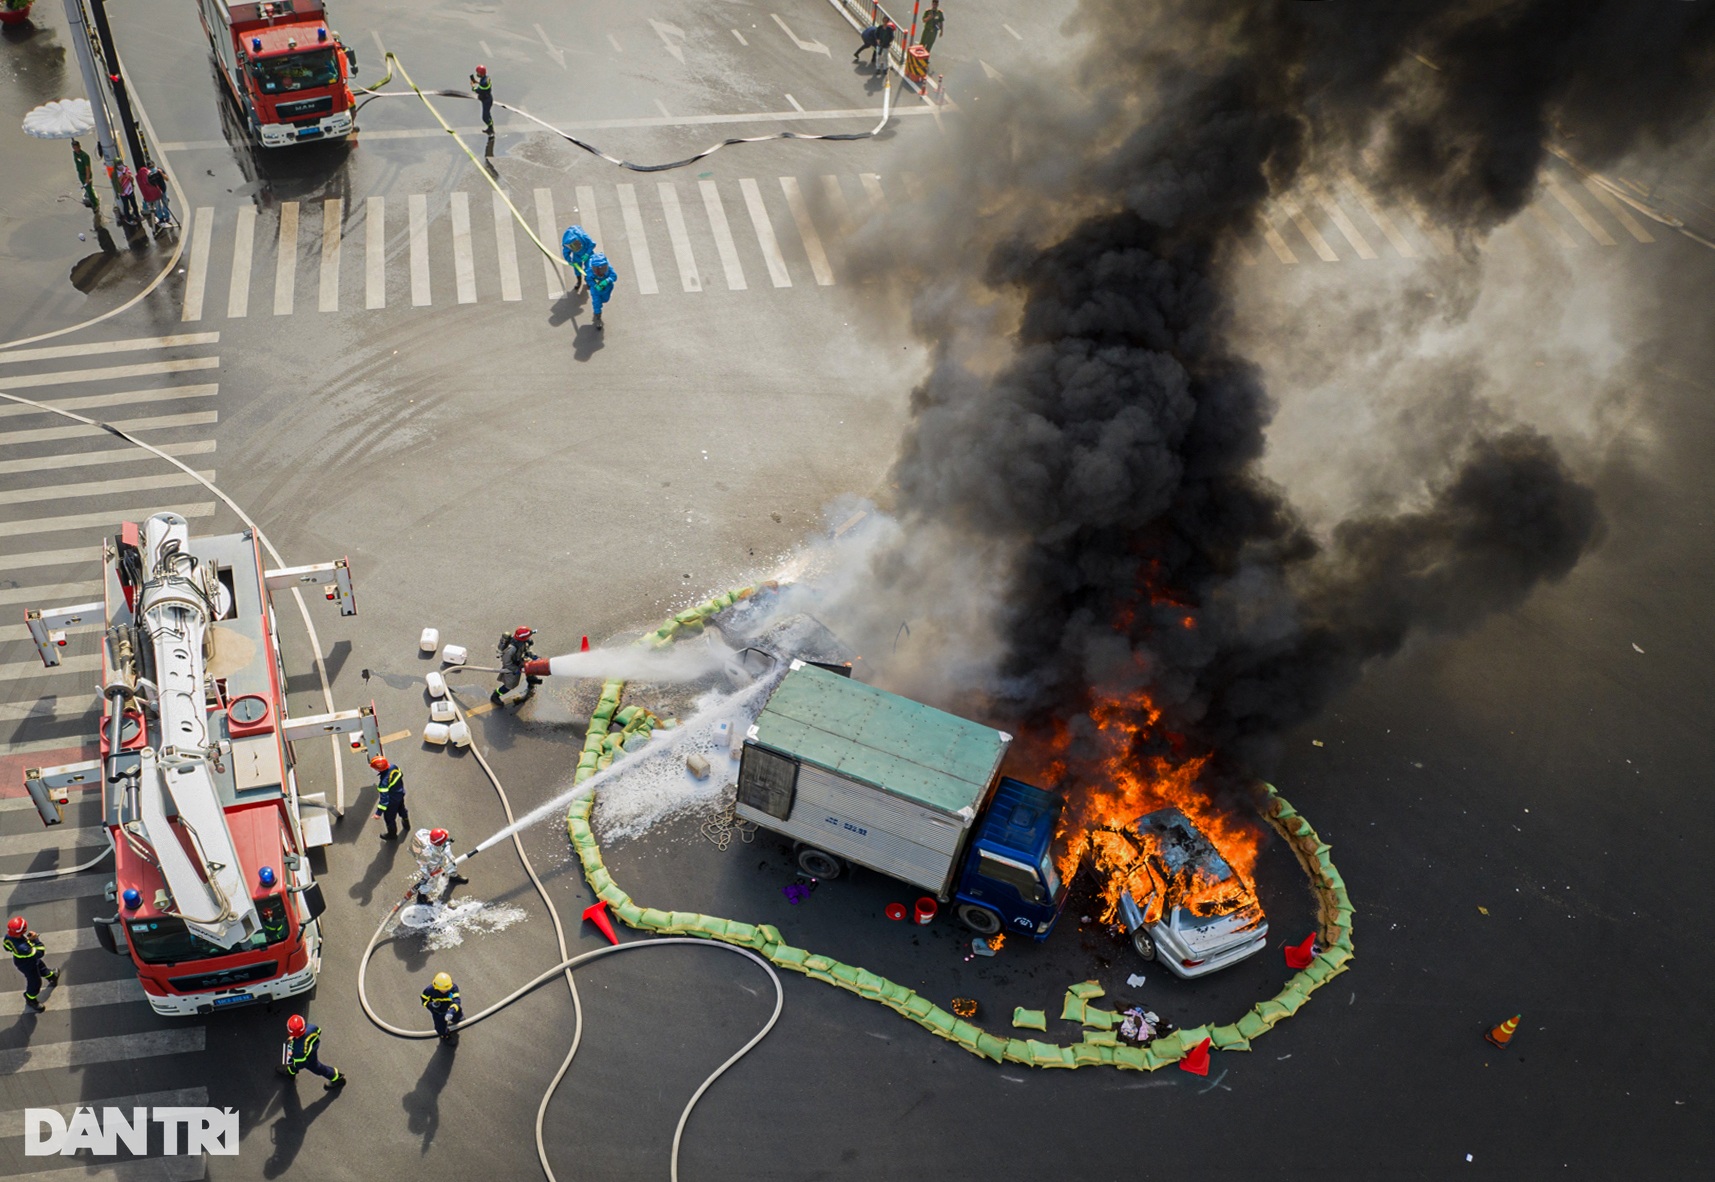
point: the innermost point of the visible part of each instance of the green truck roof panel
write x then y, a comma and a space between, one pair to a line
914, 751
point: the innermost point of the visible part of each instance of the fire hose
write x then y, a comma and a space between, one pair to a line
567, 964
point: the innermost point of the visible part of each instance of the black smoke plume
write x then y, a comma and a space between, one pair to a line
1085, 413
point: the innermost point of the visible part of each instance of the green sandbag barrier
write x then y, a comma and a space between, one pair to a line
1098, 1048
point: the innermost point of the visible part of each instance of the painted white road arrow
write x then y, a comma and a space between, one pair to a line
667, 33
807, 46
994, 74
558, 55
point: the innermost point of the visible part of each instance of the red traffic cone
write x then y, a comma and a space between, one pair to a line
1503, 1034
596, 913
1298, 955
584, 647
1196, 1060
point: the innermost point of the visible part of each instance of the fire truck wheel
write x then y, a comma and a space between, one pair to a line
980, 920
818, 863
1145, 946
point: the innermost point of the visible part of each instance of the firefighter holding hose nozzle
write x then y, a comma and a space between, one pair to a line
437, 865
514, 651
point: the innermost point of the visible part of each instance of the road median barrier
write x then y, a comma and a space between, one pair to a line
1098, 1047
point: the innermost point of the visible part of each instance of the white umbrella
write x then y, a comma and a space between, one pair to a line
61, 120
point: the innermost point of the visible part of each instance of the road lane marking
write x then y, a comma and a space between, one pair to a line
1016, 36
75, 521
1341, 222
548, 229
418, 204
796, 105
106, 456
154, 423
807, 231
98, 488
58, 1056
1384, 223
588, 218
640, 262
1551, 227
123, 398
1621, 214
507, 245
836, 198
764, 233
723, 236
806, 46
689, 280
286, 260
464, 267
1275, 242
398, 736
1308, 228
872, 188
128, 345
741, 39
672, 36
375, 253
196, 277
559, 55
143, 369
333, 213
614, 41
1579, 214
243, 246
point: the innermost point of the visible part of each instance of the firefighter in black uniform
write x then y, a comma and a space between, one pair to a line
27, 950
390, 797
302, 1043
479, 82
514, 651
441, 999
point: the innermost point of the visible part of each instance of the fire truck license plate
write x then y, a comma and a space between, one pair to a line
233, 999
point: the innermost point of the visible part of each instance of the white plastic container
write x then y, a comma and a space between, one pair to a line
460, 733
436, 733
443, 710
454, 654
437, 684
430, 640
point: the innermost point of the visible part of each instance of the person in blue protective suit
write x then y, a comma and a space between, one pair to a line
576, 247
601, 279
303, 1041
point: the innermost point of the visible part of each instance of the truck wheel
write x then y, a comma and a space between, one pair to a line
1145, 946
818, 863
980, 920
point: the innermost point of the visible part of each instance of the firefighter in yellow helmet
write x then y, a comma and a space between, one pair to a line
441, 999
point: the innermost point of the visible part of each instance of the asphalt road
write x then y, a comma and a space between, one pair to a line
487, 461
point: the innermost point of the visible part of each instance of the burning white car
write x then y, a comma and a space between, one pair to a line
1181, 901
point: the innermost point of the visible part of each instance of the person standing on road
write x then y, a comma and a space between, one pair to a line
441, 999
881, 45
27, 951
932, 22
515, 651
601, 280
390, 797
303, 1043
479, 82
576, 246
435, 857
85, 175
128, 196
152, 185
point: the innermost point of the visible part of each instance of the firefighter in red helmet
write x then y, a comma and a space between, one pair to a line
514, 650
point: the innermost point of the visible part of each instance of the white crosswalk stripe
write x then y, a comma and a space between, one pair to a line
58, 1056
327, 294
375, 253
130, 426
97, 488
503, 238
1383, 223
777, 272
1551, 227
807, 231
632, 215
196, 266
244, 243
1341, 222
91, 348
94, 521
1308, 228
464, 267
548, 230
724, 244
17, 670
141, 1169
143, 369
62, 839
286, 260
1620, 213
74, 996
417, 206
12, 1123
122, 398
1579, 214
689, 280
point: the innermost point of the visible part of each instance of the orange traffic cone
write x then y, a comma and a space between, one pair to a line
1196, 1060
596, 913
585, 646
1298, 955
1503, 1034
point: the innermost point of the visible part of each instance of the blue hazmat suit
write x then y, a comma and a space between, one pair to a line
601, 286
576, 247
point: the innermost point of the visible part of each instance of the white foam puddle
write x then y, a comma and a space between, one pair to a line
469, 917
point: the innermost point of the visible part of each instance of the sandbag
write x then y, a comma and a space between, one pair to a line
1087, 989
1101, 1038
1073, 1009
1132, 1057
1029, 1019
918, 1006
1228, 1038
656, 919
1017, 1051
1099, 1018
1086, 1055
1047, 1054
992, 1045
1252, 1025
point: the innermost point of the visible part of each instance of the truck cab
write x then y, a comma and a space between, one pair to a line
1008, 881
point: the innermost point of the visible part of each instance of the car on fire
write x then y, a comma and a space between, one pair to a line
1182, 903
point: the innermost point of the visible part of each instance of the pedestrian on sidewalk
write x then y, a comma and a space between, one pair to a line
152, 185
85, 175
576, 247
441, 999
27, 951
601, 280
303, 1047
128, 196
932, 22
484, 88
390, 797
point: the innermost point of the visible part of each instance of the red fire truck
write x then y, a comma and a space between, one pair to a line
216, 902
285, 68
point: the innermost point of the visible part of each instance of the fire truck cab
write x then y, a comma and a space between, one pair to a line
216, 903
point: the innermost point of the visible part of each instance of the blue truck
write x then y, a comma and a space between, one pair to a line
856, 776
